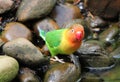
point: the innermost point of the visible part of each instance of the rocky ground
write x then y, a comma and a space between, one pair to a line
24, 57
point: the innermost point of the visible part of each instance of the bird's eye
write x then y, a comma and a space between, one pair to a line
72, 30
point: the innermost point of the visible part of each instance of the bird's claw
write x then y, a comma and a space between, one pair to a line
57, 59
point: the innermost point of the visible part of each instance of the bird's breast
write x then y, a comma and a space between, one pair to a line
68, 47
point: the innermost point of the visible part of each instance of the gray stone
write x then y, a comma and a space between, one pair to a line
24, 51
31, 9
64, 13
94, 54
5, 5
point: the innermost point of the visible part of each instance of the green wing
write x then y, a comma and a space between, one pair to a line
53, 38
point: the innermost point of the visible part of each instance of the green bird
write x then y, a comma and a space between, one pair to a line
63, 41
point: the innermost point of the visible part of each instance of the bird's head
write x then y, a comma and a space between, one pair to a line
75, 33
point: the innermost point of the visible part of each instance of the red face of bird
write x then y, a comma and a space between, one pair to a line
75, 33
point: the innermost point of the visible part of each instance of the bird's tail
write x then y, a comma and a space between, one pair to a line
42, 34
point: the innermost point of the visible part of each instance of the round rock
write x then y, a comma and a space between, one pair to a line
24, 51
5, 5
8, 68
31, 9
64, 13
27, 75
62, 73
15, 30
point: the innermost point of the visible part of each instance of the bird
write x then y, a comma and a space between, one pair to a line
63, 41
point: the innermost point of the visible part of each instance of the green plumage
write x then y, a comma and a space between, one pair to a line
53, 40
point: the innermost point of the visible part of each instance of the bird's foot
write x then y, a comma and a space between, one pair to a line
55, 58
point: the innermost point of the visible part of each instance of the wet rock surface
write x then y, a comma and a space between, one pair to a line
27, 75
109, 34
31, 9
90, 77
116, 54
106, 9
94, 54
24, 51
5, 5
15, 30
64, 13
97, 59
62, 73
93, 47
111, 75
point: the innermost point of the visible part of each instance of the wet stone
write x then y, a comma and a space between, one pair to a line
64, 13
108, 35
96, 61
24, 51
111, 75
15, 30
116, 54
65, 72
92, 47
27, 75
5, 5
114, 45
90, 77
93, 54
95, 22
105, 8
32, 9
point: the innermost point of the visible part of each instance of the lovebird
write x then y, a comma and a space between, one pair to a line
63, 41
